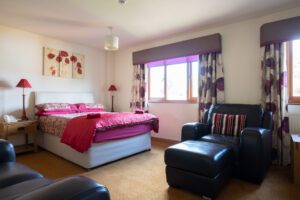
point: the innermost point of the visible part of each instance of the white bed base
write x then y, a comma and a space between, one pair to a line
99, 153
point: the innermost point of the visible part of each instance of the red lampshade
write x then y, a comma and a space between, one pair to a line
23, 83
112, 88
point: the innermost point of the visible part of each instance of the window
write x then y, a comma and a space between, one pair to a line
157, 89
173, 80
177, 81
293, 53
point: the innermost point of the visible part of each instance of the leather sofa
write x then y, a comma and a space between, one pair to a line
20, 182
252, 150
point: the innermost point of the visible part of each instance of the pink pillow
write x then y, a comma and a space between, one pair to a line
47, 113
73, 106
80, 106
46, 107
91, 110
90, 107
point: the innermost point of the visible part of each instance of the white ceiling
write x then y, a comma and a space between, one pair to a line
86, 21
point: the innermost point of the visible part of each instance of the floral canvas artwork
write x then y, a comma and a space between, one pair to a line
78, 65
51, 62
61, 63
65, 67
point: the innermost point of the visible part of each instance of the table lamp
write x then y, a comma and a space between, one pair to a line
112, 88
23, 83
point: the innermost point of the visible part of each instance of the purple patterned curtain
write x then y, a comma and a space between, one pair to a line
275, 98
138, 89
211, 81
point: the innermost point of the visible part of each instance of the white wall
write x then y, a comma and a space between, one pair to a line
110, 62
241, 59
21, 56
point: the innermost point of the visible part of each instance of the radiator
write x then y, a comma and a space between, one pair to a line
294, 123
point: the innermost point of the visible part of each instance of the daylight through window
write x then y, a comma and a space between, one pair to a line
293, 52
173, 80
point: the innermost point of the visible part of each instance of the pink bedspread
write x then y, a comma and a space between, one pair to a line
121, 132
80, 131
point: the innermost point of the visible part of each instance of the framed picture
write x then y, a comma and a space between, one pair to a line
51, 62
65, 64
78, 65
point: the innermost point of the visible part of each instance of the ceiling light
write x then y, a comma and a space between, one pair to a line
122, 1
111, 42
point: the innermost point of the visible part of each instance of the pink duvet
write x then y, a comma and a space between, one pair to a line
80, 131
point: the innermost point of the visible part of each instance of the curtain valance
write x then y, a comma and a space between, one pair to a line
280, 31
196, 46
173, 61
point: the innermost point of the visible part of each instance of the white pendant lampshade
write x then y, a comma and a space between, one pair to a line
111, 42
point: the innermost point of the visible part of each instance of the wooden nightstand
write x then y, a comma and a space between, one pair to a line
26, 128
296, 158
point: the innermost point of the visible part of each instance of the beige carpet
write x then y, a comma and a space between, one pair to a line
142, 177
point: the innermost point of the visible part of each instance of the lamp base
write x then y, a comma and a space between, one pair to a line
24, 118
112, 104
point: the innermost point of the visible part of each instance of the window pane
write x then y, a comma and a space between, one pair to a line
157, 79
296, 68
195, 67
177, 82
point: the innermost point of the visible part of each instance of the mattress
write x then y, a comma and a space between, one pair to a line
55, 125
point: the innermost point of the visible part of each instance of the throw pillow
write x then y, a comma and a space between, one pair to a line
239, 124
217, 120
227, 124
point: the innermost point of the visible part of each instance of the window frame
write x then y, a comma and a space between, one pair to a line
190, 98
289, 52
190, 88
149, 83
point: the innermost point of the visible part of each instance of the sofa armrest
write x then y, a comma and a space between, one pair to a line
71, 188
7, 151
255, 153
194, 131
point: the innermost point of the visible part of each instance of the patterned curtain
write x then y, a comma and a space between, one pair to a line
211, 82
275, 98
138, 90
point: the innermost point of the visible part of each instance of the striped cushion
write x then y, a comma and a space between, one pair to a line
239, 124
217, 123
228, 124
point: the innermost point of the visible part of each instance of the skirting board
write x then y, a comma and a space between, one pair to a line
99, 153
171, 142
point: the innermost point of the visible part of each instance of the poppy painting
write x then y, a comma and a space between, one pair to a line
61, 63
65, 64
51, 62
78, 65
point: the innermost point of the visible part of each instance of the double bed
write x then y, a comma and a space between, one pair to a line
109, 149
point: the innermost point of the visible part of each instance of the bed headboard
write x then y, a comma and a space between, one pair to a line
63, 97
